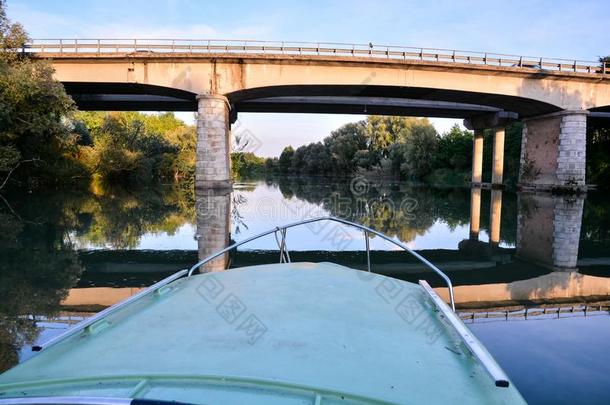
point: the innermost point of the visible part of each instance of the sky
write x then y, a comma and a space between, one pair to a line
574, 29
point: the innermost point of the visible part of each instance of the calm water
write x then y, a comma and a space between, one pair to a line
65, 256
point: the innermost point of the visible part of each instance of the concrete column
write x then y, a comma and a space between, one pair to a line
497, 168
495, 219
477, 157
213, 208
213, 166
475, 212
548, 229
553, 151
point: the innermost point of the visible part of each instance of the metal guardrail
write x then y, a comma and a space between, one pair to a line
102, 47
568, 311
285, 256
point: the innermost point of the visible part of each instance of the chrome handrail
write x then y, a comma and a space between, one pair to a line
367, 231
105, 46
472, 343
92, 320
63, 400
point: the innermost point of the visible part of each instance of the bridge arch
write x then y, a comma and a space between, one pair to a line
383, 100
121, 96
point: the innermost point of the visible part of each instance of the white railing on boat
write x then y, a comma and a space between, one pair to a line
59, 400
92, 320
470, 341
285, 255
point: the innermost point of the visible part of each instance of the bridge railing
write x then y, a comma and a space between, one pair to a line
105, 47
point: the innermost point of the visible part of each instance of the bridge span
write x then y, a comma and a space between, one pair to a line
219, 79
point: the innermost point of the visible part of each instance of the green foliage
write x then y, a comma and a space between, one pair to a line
34, 115
9, 157
124, 149
247, 164
454, 149
181, 163
344, 144
419, 148
377, 146
272, 165
286, 159
12, 36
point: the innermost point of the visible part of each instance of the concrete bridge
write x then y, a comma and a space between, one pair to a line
219, 79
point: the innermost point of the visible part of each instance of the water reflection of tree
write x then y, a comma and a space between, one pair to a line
118, 218
397, 210
237, 219
595, 229
37, 269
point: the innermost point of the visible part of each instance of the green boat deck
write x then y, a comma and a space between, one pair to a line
295, 333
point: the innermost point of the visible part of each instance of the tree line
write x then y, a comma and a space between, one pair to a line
394, 148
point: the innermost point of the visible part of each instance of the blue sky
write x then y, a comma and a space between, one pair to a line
570, 29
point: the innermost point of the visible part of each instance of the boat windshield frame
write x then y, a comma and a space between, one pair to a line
285, 255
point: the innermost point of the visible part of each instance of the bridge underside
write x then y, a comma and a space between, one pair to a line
129, 97
375, 100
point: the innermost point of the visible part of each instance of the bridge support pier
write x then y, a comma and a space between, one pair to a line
477, 157
497, 170
553, 151
498, 121
213, 165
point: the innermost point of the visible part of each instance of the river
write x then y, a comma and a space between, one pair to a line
531, 271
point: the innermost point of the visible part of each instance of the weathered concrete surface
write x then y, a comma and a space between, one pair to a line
529, 93
213, 166
553, 151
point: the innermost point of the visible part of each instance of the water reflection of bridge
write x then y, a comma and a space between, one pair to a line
555, 287
548, 226
542, 267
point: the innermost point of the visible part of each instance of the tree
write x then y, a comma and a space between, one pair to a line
34, 114
419, 150
247, 164
286, 159
317, 159
298, 160
342, 145
604, 63
454, 149
124, 151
